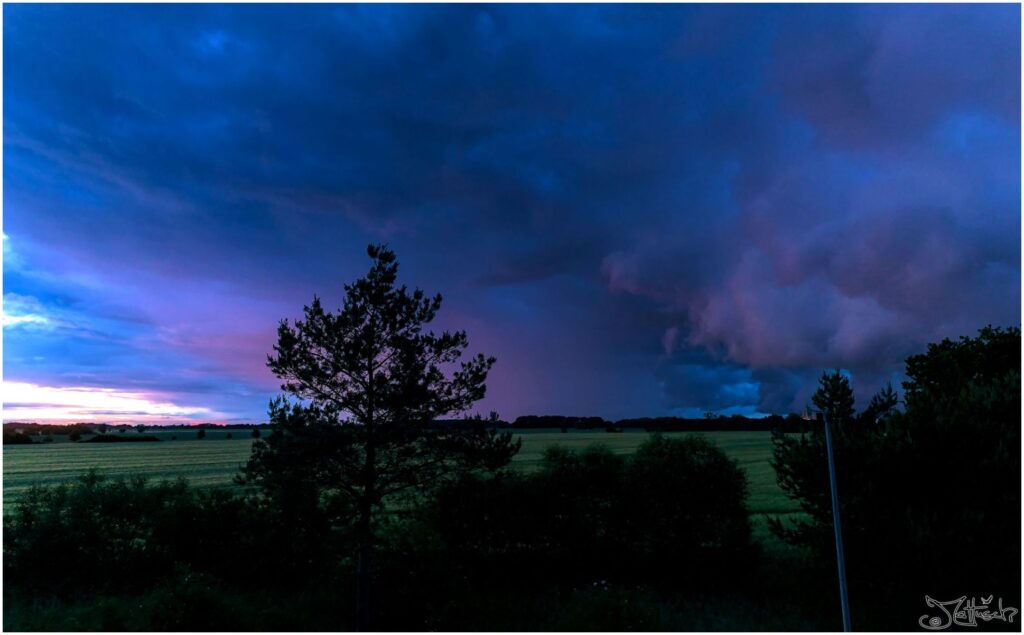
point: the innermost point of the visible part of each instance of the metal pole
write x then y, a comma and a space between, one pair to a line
838, 527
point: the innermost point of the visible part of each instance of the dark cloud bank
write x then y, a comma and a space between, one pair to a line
639, 210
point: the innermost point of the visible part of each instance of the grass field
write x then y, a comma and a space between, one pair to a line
213, 461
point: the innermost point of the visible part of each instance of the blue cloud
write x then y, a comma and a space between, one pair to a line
790, 188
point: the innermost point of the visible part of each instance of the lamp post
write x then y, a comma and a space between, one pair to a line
836, 524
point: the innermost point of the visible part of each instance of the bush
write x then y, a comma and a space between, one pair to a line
685, 505
676, 505
188, 601
16, 438
115, 535
111, 439
86, 534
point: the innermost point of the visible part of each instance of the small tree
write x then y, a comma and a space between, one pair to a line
370, 383
676, 505
201, 434
834, 397
255, 433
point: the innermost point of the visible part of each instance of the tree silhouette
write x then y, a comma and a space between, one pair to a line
882, 404
957, 434
368, 384
834, 397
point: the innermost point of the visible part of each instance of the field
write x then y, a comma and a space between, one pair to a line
213, 461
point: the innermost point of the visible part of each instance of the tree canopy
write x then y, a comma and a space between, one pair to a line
930, 494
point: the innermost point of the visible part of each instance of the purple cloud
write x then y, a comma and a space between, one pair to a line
640, 210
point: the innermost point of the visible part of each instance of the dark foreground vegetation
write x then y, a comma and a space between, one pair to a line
592, 540
361, 512
930, 491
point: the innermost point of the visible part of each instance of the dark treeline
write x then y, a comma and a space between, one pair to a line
24, 432
711, 423
19, 432
33, 428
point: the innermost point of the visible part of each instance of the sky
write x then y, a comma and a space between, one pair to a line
639, 210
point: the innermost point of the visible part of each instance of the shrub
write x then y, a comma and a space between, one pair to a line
88, 533
118, 535
16, 438
676, 505
685, 505
112, 439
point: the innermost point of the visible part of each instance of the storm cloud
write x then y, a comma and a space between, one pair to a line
639, 210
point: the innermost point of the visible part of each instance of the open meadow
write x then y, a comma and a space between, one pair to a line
214, 461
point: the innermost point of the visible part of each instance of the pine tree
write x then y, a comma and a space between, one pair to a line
364, 387
834, 397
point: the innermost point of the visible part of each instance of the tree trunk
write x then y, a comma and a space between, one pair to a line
364, 564
364, 570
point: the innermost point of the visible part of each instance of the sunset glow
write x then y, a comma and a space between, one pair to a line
23, 401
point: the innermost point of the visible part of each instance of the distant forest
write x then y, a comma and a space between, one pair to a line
23, 432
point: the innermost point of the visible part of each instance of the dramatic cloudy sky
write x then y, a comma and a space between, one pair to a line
642, 210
